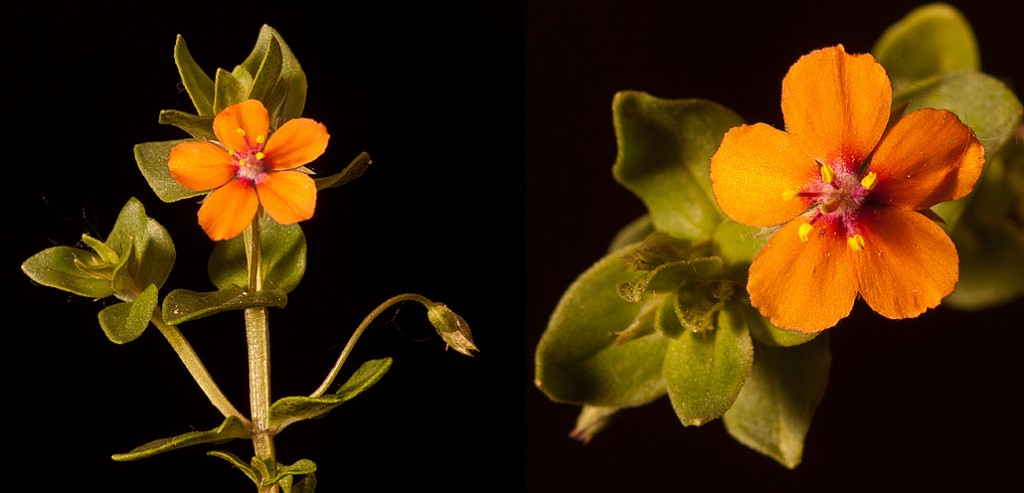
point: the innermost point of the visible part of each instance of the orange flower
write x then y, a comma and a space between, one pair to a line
847, 188
246, 169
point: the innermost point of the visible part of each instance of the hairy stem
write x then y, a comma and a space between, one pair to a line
257, 331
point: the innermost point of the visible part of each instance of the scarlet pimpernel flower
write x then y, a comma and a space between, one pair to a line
851, 192
247, 169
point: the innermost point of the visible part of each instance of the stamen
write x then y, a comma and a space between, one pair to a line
241, 162
869, 181
260, 156
790, 194
240, 132
805, 232
260, 139
827, 175
856, 242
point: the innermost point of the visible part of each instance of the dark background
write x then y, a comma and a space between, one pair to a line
929, 404
435, 93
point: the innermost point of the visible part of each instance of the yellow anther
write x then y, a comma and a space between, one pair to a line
260, 139
805, 232
790, 194
240, 132
869, 181
827, 175
241, 162
260, 155
856, 242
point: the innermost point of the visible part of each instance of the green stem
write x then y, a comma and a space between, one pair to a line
195, 367
359, 332
257, 331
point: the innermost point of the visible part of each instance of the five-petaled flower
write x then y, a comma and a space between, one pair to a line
248, 169
849, 190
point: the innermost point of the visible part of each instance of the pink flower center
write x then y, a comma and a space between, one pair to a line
249, 163
836, 199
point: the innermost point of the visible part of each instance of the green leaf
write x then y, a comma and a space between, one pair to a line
236, 461
669, 276
704, 371
152, 160
55, 267
183, 305
578, 360
664, 157
695, 306
666, 321
737, 245
633, 232
227, 90
930, 41
301, 467
230, 429
268, 73
199, 127
284, 258
196, 82
354, 170
306, 485
288, 96
288, 410
125, 321
774, 409
981, 101
764, 332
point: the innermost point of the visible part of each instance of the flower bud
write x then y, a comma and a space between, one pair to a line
452, 328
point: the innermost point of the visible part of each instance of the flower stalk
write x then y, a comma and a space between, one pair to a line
257, 331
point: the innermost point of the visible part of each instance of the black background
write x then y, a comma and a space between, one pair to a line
929, 404
434, 93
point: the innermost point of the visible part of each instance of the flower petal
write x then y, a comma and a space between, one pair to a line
753, 168
927, 157
802, 286
908, 263
299, 141
288, 196
228, 210
250, 116
200, 165
836, 105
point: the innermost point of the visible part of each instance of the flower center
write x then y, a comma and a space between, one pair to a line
249, 161
836, 199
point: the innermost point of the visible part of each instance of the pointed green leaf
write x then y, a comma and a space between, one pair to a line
236, 461
284, 258
633, 232
695, 306
267, 75
930, 41
764, 332
152, 160
658, 248
774, 409
129, 228
199, 127
125, 321
737, 245
288, 410
183, 305
301, 467
288, 96
306, 485
230, 429
354, 170
227, 90
669, 276
704, 371
55, 267
196, 82
578, 360
664, 157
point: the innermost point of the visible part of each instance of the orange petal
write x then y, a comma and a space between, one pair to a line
228, 210
908, 263
200, 165
927, 157
753, 168
802, 286
250, 116
299, 141
288, 196
836, 105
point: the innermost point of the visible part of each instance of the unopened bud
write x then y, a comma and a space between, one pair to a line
452, 328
